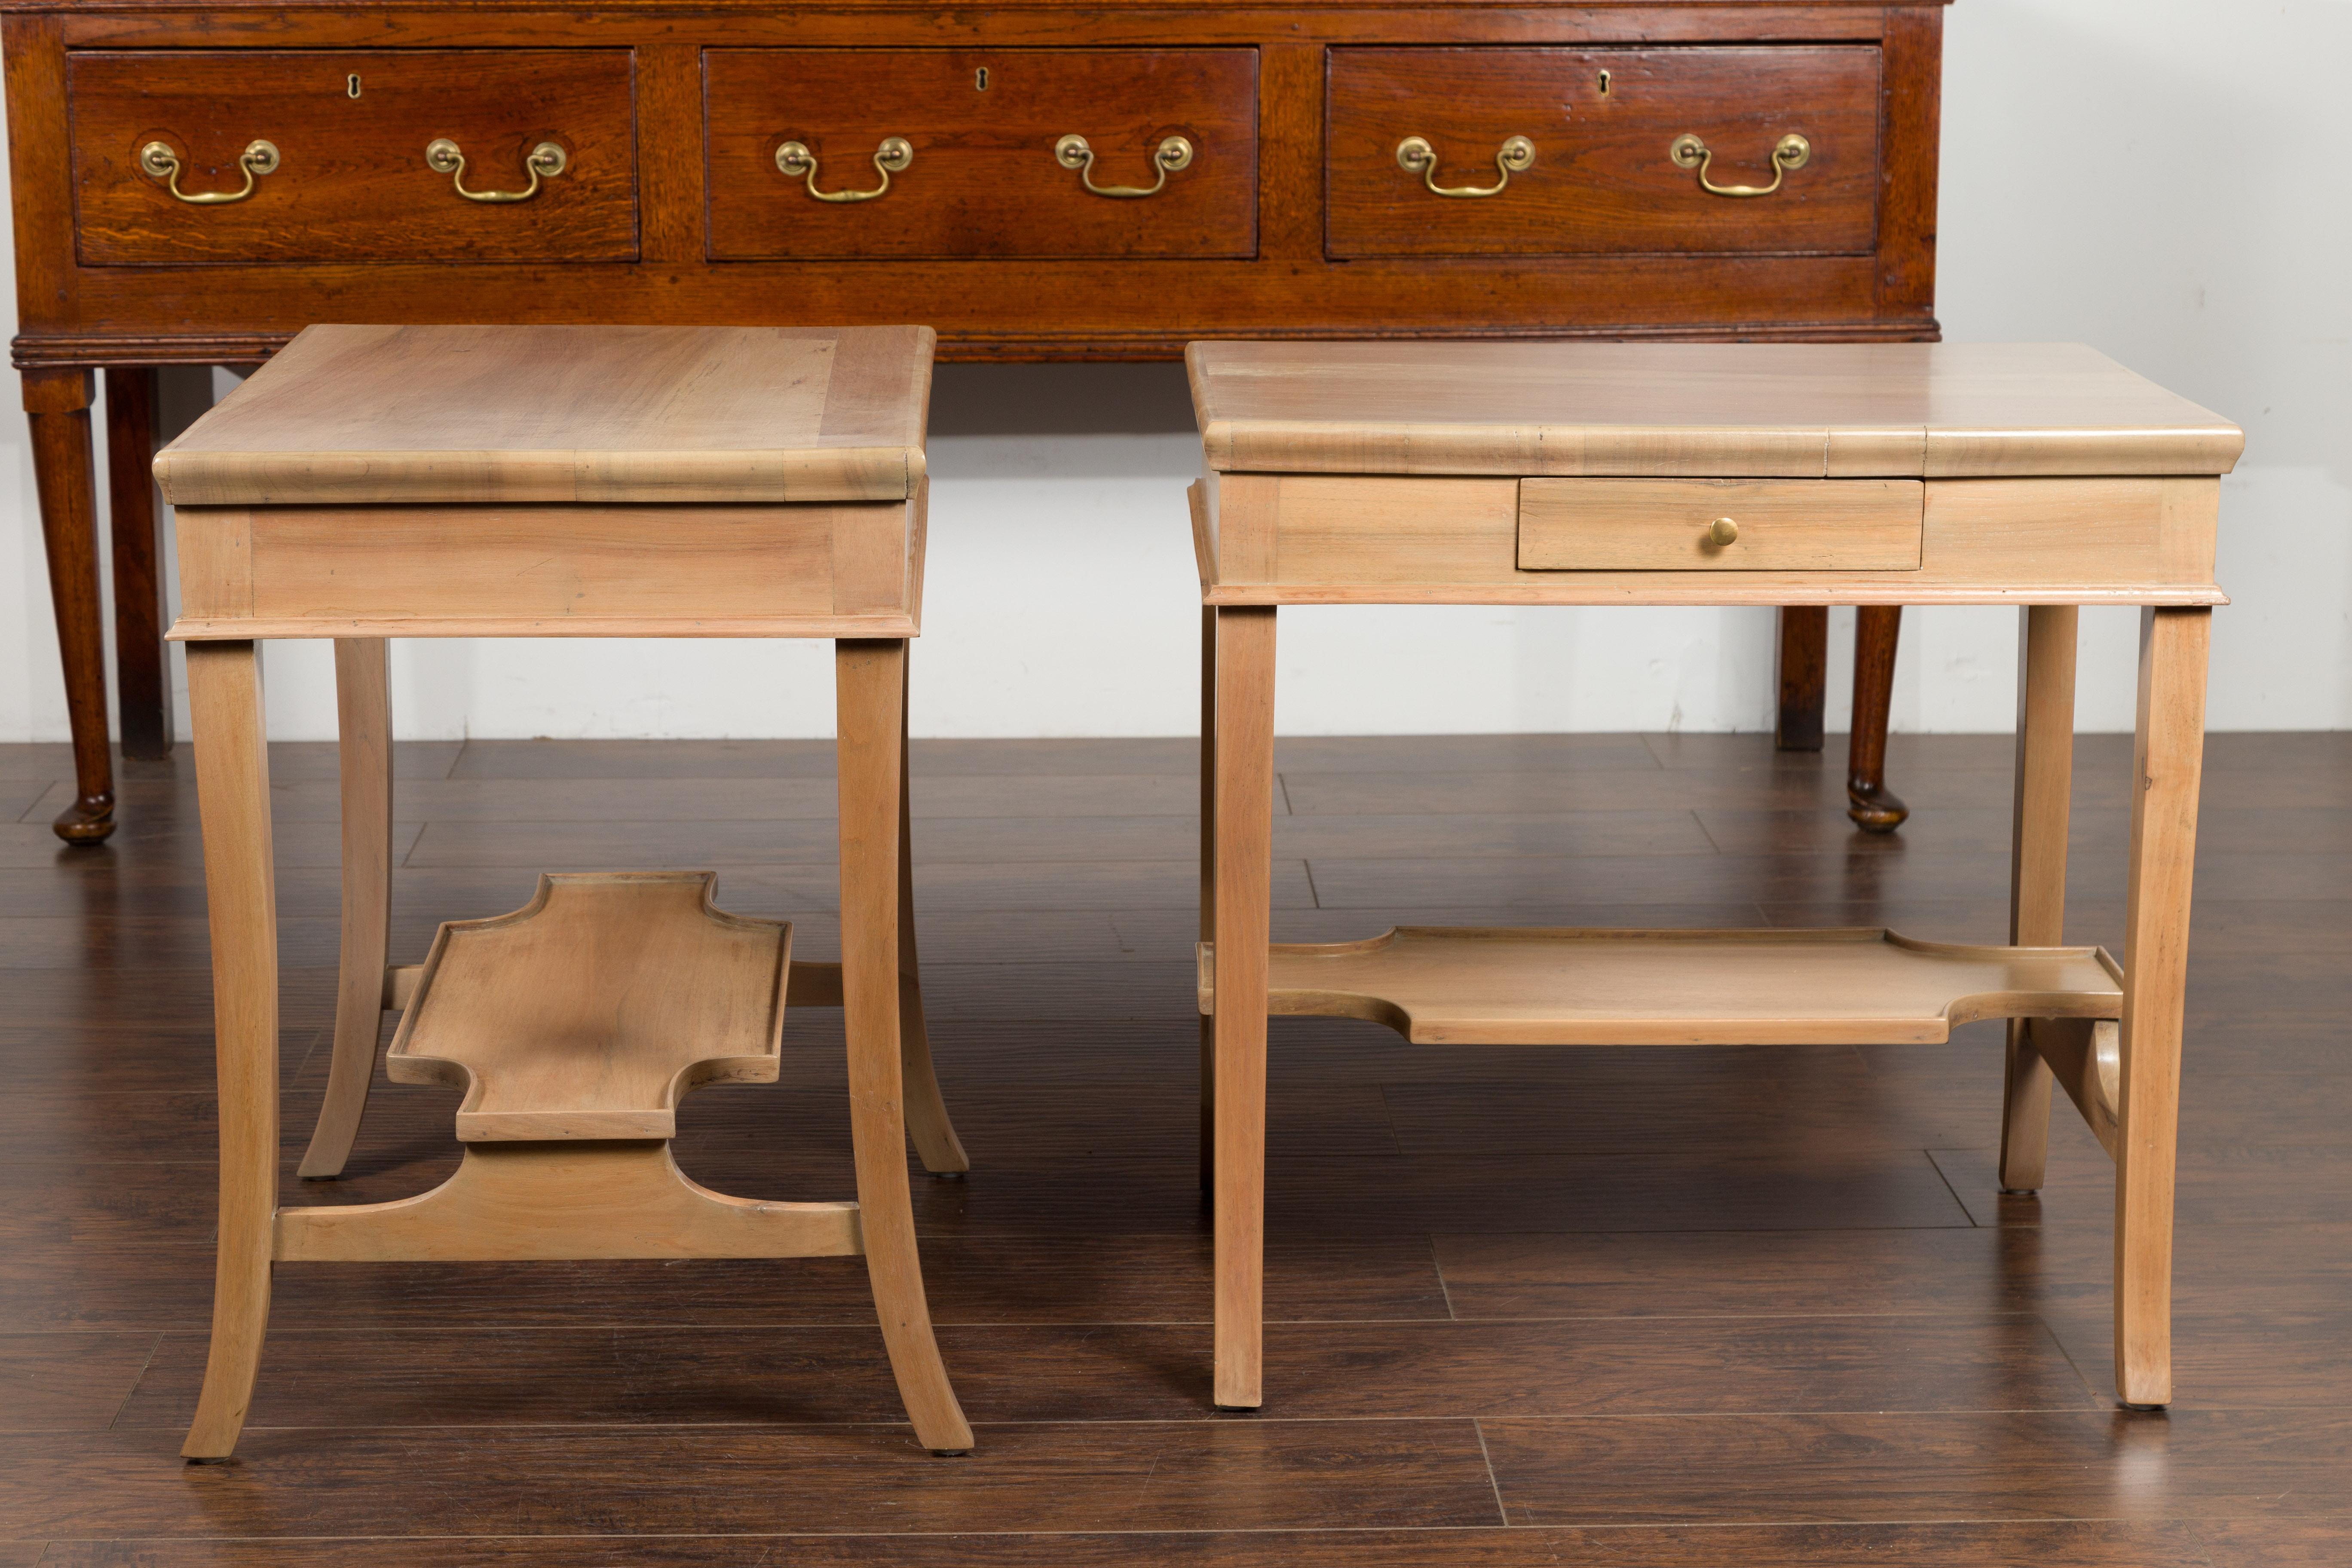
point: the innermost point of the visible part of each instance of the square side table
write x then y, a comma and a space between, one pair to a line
2045, 476
374, 483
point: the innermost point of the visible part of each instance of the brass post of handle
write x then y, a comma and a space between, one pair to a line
795, 160
441, 157
1172, 154
159, 162
1793, 152
1414, 155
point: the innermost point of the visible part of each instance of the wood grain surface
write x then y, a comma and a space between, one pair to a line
1761, 1303
983, 181
1601, 180
351, 183
1743, 410
356, 415
673, 211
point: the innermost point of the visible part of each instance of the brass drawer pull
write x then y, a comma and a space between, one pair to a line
1723, 531
161, 163
1417, 156
441, 155
1690, 153
795, 160
1172, 154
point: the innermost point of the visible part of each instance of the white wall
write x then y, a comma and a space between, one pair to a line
2159, 178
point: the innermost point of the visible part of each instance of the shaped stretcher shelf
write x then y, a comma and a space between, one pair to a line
1500, 986
587, 1012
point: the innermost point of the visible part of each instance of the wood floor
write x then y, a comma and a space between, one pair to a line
1600, 1306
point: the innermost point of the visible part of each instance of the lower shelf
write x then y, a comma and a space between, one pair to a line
587, 1012
1533, 987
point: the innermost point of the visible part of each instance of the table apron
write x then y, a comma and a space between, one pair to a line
850, 569
1275, 539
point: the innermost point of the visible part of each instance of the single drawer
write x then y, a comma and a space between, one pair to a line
953, 153
321, 155
1720, 525
1575, 152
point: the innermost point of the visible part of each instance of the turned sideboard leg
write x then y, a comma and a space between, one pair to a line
1803, 677
57, 403
2037, 866
871, 681
364, 718
1244, 874
2167, 756
240, 894
1873, 808
928, 1123
142, 664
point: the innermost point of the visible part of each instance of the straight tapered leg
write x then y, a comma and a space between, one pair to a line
2037, 867
1873, 808
870, 678
240, 895
363, 714
1243, 894
2167, 755
927, 1124
142, 684
56, 403
1803, 677
1208, 891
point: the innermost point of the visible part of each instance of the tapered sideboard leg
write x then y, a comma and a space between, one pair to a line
1873, 808
57, 403
1803, 677
142, 667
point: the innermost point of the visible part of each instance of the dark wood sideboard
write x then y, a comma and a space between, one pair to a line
1036, 181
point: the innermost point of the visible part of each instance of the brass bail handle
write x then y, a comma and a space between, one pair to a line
1793, 152
159, 162
1172, 154
795, 160
1414, 155
548, 159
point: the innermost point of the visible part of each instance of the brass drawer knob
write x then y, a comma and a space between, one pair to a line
1722, 531
1793, 152
159, 162
547, 159
794, 161
1172, 154
1417, 156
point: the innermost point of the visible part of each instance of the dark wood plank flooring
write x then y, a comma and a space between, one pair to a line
1606, 1306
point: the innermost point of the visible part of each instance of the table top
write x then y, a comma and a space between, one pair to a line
362, 415
1761, 410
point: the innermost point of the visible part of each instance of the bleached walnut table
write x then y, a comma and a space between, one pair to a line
2044, 477
375, 482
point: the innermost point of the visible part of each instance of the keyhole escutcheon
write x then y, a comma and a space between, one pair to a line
979, 79
352, 84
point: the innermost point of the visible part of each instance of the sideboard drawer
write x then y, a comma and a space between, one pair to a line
980, 174
1720, 525
1594, 170
347, 175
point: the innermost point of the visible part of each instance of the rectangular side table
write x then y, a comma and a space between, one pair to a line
374, 483
2044, 477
